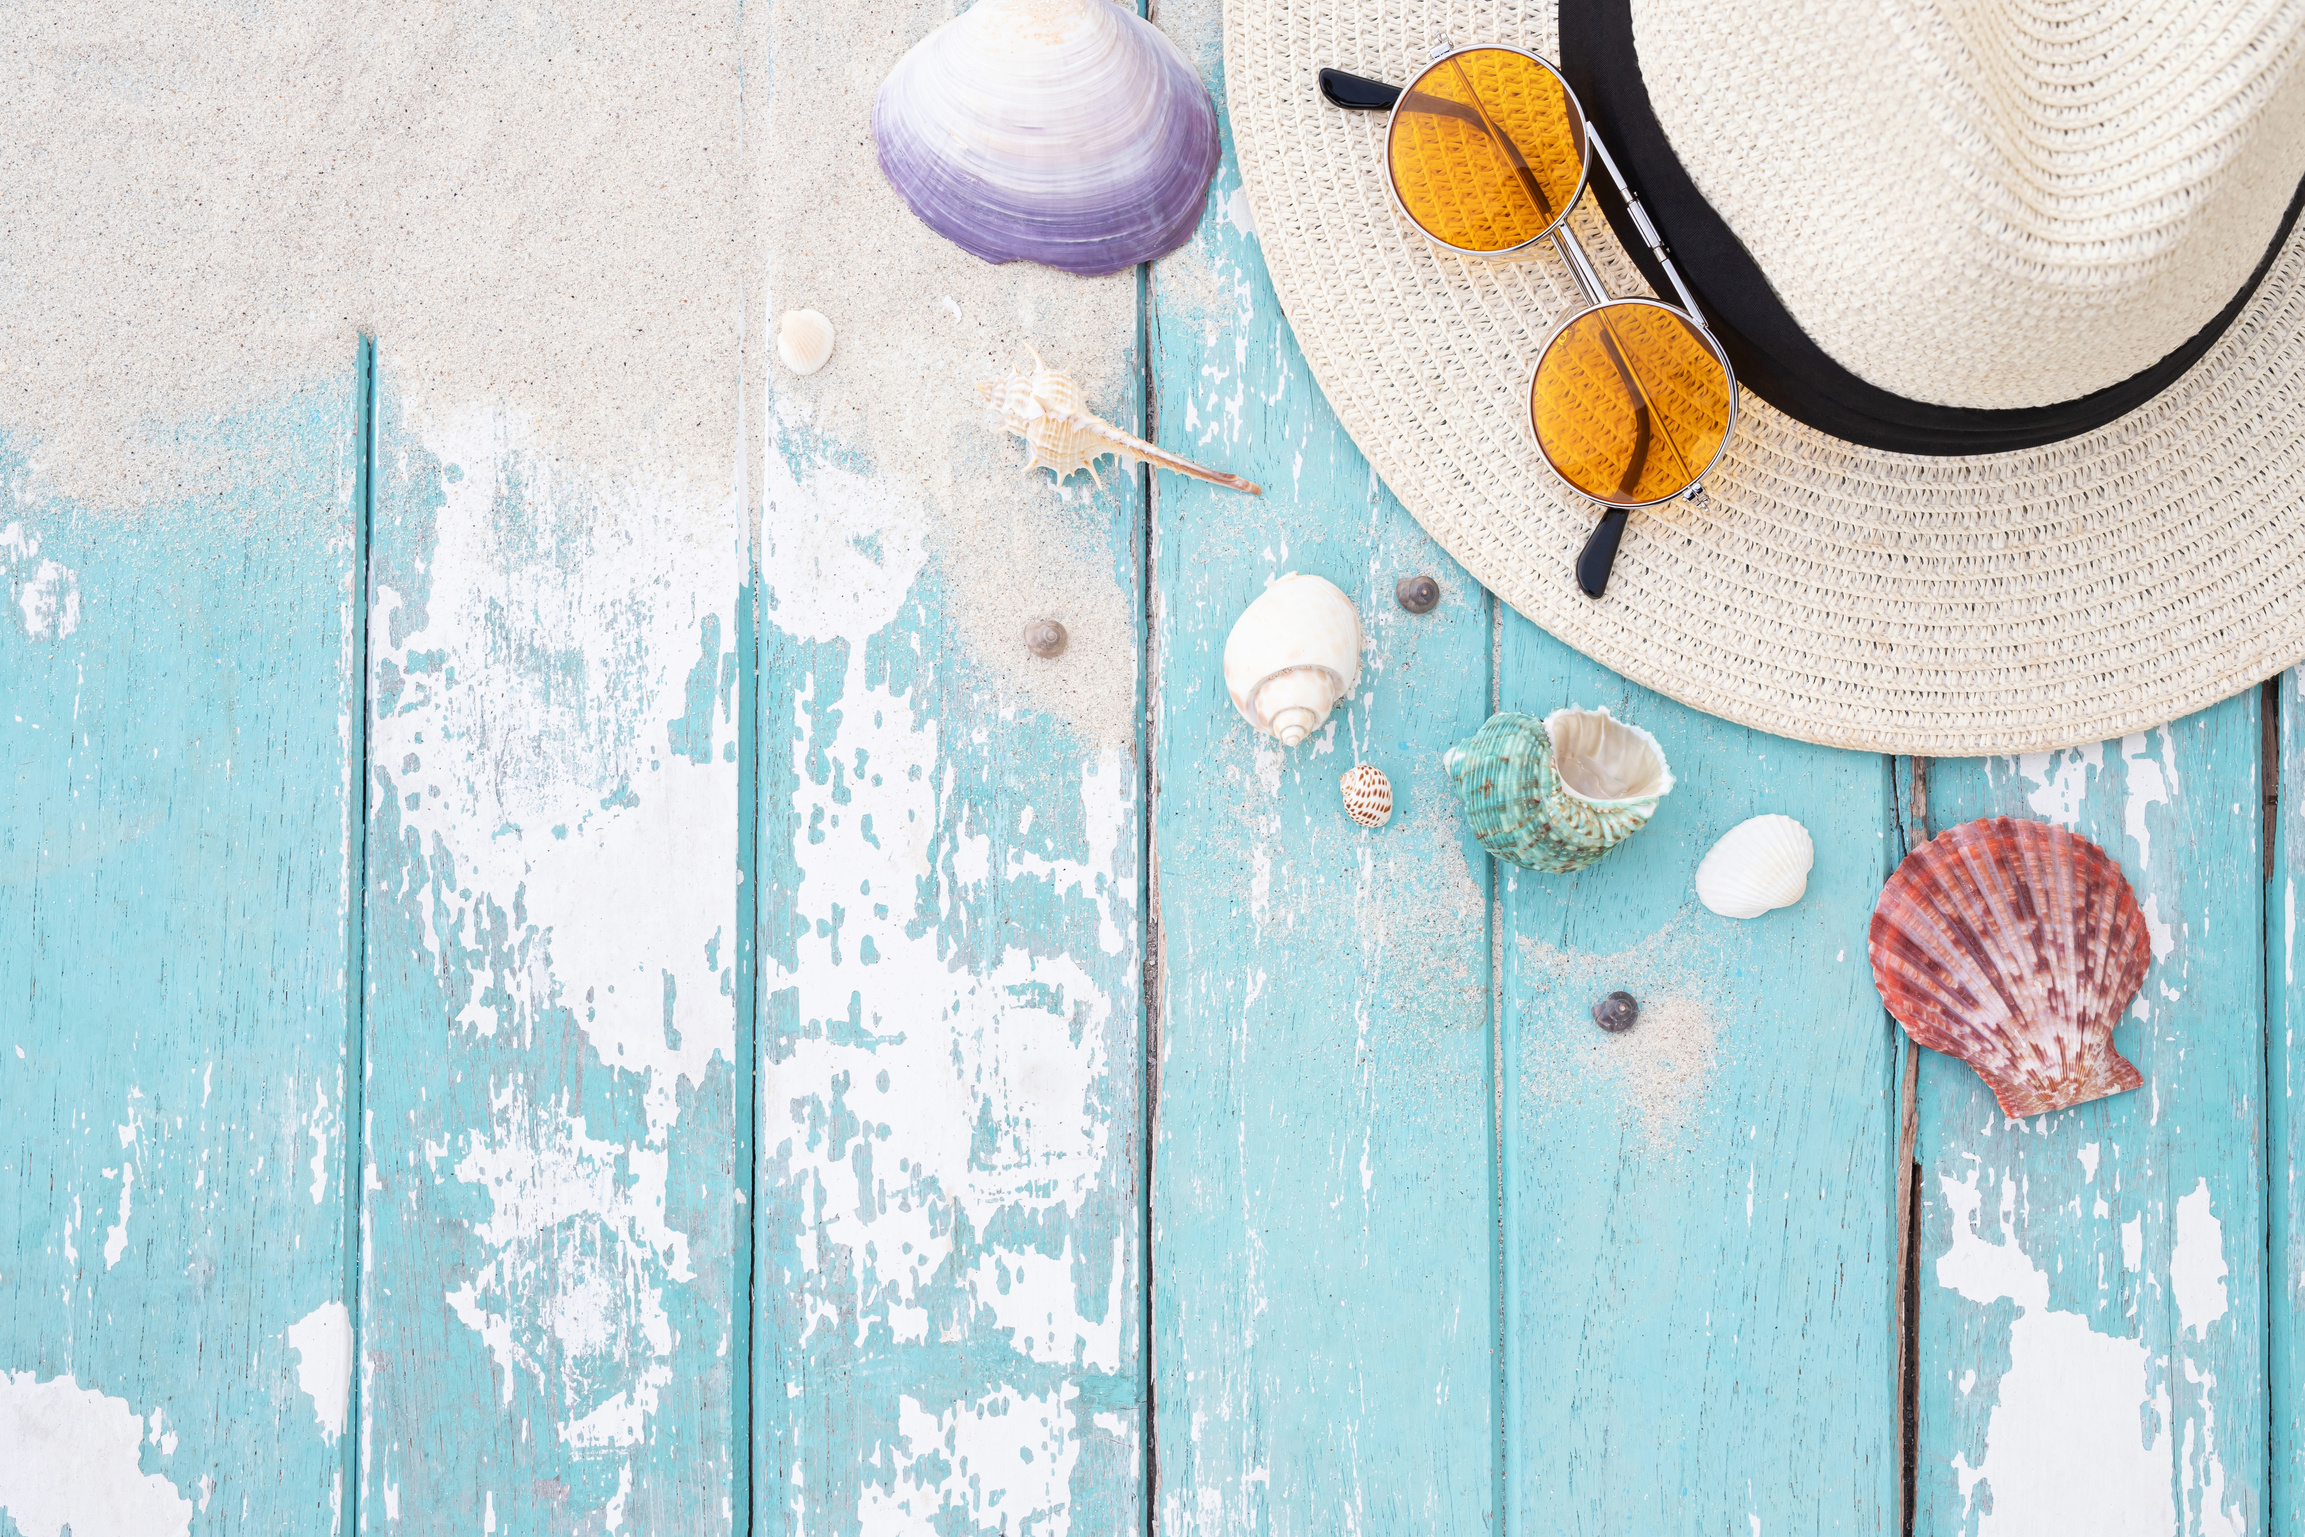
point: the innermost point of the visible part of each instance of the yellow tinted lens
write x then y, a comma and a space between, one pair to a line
1486, 151
1629, 403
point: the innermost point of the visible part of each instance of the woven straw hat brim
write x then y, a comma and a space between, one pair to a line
1826, 591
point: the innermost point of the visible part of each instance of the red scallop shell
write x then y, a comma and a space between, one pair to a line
2014, 946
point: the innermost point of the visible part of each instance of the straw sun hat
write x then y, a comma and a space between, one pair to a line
2014, 293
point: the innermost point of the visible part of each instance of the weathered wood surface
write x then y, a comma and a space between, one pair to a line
1412, 1247
177, 790
2092, 1287
1699, 1230
555, 1093
2285, 1102
1323, 1200
950, 1266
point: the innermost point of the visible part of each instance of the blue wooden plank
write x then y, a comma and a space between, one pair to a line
1324, 1202
1699, 1213
550, 1239
2285, 1094
950, 1250
2091, 1298
177, 770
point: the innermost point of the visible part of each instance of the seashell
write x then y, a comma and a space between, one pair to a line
2014, 946
1066, 132
1417, 594
804, 341
1045, 637
1556, 794
1292, 655
1616, 1013
1044, 408
1759, 865
1368, 795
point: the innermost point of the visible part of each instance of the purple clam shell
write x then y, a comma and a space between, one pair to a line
1066, 132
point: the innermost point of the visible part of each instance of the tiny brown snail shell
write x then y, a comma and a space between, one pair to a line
1417, 594
1616, 1012
1045, 637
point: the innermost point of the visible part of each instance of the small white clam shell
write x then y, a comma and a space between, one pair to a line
1368, 795
1292, 655
1759, 865
804, 341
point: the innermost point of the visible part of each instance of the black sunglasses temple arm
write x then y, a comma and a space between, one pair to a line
1357, 93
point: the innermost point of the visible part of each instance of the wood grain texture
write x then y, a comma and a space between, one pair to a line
1699, 1232
554, 1091
2091, 1283
2285, 1094
177, 779
1323, 1199
950, 1255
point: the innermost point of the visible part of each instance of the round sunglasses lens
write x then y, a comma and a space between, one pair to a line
1486, 150
1629, 403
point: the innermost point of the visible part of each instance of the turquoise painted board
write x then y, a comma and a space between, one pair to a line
2285, 1094
1323, 1192
1699, 1212
2091, 1290
552, 1223
950, 1272
177, 771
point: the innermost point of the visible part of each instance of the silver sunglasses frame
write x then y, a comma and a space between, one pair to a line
1580, 264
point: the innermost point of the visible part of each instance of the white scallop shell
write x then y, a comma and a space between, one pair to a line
1759, 865
1292, 655
1368, 795
804, 341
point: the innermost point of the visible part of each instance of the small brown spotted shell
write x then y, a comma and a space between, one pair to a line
1368, 795
2014, 946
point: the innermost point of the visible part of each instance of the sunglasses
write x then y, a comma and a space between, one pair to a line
1632, 400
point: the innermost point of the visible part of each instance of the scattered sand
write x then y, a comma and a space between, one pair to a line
920, 322
1657, 1071
534, 203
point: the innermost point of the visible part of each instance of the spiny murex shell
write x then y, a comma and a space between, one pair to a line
2014, 946
1045, 409
1556, 794
1292, 655
1368, 795
804, 341
1759, 865
1068, 132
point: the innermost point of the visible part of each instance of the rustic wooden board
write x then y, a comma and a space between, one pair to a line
551, 1231
1323, 1198
950, 1254
2285, 1091
178, 773
2091, 1289
1699, 1213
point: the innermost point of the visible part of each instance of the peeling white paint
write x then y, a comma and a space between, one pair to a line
574, 1318
2078, 1437
322, 1340
2197, 1264
1007, 1461
931, 1088
2148, 786
45, 593
553, 792
2061, 781
70, 1460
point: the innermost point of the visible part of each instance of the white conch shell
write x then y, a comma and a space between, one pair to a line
1292, 655
804, 341
1759, 865
1045, 409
